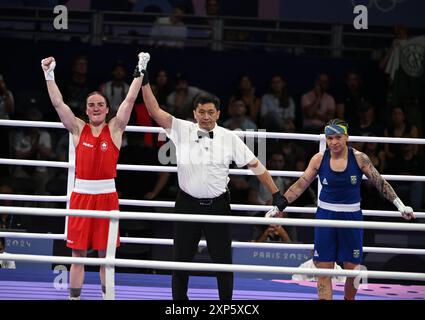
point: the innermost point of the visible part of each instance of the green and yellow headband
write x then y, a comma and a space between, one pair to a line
335, 129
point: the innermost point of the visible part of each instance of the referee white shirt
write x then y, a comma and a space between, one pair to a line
203, 163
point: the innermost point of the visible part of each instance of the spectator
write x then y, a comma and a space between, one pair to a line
179, 102
238, 185
318, 106
405, 64
33, 144
62, 147
277, 107
162, 87
7, 103
271, 233
259, 195
406, 162
367, 125
7, 221
294, 155
238, 119
400, 33
7, 108
212, 10
140, 117
5, 264
137, 152
77, 88
351, 100
400, 128
246, 92
116, 89
170, 32
212, 7
370, 196
375, 154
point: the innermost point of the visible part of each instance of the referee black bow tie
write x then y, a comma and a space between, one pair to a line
202, 134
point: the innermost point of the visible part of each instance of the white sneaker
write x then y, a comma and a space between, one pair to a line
75, 298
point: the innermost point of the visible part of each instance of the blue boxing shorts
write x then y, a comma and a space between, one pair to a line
338, 244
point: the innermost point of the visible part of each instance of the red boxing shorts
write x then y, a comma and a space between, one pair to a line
90, 233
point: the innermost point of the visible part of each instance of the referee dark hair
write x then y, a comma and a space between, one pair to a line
204, 152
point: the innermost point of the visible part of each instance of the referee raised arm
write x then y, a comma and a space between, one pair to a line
204, 152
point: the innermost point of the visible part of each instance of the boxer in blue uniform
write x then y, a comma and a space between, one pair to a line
340, 169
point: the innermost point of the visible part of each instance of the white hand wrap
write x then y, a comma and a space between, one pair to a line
49, 74
272, 212
143, 61
406, 211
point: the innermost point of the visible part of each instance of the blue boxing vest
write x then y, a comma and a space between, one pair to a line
340, 187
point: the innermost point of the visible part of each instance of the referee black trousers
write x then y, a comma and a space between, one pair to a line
188, 234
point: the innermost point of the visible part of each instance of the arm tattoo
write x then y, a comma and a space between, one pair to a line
293, 192
304, 178
373, 175
298, 188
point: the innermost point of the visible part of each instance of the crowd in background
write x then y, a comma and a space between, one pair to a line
275, 109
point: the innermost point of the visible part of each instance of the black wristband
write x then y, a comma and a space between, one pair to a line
136, 72
279, 201
145, 80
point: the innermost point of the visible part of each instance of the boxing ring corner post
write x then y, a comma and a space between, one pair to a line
110, 256
322, 147
70, 178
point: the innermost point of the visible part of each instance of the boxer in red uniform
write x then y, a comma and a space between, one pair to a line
97, 148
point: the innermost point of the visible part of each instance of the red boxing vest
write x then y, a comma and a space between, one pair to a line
96, 157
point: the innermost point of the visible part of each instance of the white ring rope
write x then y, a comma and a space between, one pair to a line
35, 163
150, 168
248, 207
169, 265
170, 204
202, 243
213, 218
28, 235
271, 245
259, 134
36, 198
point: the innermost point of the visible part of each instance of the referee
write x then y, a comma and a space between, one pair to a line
204, 152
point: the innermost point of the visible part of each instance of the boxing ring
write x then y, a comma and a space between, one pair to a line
18, 285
